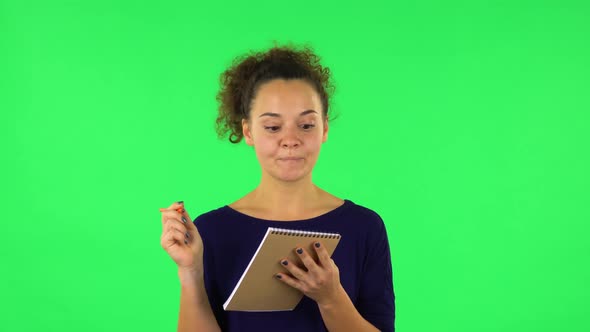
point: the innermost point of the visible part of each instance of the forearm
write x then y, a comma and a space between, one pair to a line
195, 311
341, 315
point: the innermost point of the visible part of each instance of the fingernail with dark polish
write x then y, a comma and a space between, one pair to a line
180, 202
184, 219
186, 234
278, 276
284, 262
185, 242
300, 251
317, 244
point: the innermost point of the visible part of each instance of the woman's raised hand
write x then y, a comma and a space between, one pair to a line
181, 239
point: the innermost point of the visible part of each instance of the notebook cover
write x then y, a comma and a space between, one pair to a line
258, 289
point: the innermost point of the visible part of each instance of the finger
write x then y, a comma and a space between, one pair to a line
289, 281
173, 207
334, 266
307, 260
169, 214
177, 225
173, 237
180, 237
184, 215
190, 224
323, 256
192, 229
295, 270
166, 215
177, 211
176, 205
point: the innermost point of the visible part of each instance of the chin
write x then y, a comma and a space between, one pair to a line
289, 176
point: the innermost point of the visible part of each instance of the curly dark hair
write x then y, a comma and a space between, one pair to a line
241, 81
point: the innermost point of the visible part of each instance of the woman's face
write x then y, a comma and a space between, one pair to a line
286, 128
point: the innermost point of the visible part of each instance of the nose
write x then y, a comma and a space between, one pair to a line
290, 139
289, 144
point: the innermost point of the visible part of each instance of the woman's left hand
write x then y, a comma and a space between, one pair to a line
321, 281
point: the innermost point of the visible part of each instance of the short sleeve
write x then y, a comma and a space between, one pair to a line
376, 301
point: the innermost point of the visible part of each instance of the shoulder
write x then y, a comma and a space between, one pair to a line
211, 219
213, 225
212, 214
367, 216
358, 221
371, 231
363, 210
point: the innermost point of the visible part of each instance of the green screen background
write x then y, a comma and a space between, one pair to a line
464, 124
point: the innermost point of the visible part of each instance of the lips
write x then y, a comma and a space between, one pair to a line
290, 158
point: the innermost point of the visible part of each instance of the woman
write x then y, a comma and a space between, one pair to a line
278, 101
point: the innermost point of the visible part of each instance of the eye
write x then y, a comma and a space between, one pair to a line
272, 128
308, 126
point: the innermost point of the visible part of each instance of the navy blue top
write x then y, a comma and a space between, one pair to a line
230, 239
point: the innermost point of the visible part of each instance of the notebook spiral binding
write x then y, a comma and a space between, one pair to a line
290, 232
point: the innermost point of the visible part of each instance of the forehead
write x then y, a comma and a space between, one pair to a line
286, 97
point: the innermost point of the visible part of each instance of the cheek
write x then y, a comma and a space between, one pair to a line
265, 147
314, 142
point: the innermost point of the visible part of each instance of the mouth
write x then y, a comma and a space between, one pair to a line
290, 159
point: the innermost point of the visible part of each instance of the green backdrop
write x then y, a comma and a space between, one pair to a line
464, 124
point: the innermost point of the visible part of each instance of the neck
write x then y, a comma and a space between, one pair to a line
289, 197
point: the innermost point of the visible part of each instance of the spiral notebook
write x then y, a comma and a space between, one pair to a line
258, 289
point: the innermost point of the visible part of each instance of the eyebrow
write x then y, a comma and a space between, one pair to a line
277, 115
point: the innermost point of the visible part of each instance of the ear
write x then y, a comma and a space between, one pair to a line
325, 134
247, 132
